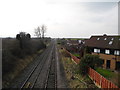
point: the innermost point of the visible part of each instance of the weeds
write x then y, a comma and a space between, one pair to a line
75, 79
15, 59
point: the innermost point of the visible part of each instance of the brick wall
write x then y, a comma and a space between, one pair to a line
112, 59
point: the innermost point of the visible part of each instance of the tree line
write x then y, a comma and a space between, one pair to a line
24, 37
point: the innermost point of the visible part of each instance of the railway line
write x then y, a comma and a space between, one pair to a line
46, 71
51, 80
43, 74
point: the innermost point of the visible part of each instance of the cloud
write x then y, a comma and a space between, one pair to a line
77, 1
82, 22
65, 19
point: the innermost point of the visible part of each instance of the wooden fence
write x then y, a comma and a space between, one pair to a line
98, 79
75, 59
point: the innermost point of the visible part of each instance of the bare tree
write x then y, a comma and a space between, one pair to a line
43, 30
38, 32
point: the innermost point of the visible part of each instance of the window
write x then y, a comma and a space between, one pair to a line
79, 41
110, 42
107, 51
98, 38
83, 42
116, 52
105, 38
97, 50
112, 39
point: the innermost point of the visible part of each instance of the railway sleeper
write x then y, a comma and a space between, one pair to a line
51, 81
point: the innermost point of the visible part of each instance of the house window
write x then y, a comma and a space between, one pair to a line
98, 38
110, 42
107, 51
79, 41
97, 50
105, 38
116, 52
83, 42
112, 39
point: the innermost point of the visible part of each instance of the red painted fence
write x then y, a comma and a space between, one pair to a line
98, 79
76, 60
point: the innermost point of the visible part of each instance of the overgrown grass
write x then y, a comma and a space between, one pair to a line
72, 72
15, 59
106, 73
112, 76
21, 64
76, 54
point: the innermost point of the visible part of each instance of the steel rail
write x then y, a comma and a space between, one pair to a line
41, 69
52, 68
32, 71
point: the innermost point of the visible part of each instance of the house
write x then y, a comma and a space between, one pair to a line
108, 48
75, 46
72, 45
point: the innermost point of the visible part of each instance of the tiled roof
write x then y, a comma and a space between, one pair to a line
111, 42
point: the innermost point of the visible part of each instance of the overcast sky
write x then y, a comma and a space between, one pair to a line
63, 18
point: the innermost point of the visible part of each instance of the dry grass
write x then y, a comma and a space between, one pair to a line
20, 65
15, 59
72, 73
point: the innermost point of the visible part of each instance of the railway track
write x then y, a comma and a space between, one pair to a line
49, 79
34, 74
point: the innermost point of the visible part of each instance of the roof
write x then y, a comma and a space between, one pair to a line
75, 42
110, 42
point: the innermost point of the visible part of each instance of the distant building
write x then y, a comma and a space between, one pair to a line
75, 46
72, 45
108, 48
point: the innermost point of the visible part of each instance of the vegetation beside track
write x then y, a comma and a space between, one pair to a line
72, 71
15, 59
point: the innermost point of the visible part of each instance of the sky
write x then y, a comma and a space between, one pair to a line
63, 18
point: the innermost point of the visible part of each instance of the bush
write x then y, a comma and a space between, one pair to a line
89, 60
13, 56
8, 61
12, 52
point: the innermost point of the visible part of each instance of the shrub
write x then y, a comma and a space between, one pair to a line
89, 61
8, 61
12, 52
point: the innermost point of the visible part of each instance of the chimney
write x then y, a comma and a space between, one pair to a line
104, 34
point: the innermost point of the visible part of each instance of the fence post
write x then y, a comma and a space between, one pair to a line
108, 84
93, 76
100, 81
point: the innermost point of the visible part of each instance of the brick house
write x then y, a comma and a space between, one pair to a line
108, 48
